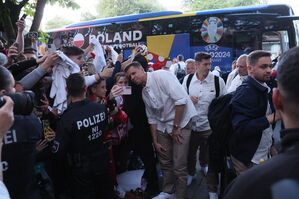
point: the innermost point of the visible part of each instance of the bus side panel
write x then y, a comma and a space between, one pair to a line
221, 56
161, 47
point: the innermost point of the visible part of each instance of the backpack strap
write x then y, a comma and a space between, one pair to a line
189, 81
217, 87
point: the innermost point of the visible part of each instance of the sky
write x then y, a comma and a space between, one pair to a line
89, 5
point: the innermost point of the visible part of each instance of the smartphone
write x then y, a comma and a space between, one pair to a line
46, 125
23, 17
127, 90
51, 48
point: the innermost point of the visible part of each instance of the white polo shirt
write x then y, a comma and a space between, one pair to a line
206, 92
161, 94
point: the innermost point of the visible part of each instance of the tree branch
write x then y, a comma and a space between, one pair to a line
22, 3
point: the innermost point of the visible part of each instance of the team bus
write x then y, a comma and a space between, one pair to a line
224, 33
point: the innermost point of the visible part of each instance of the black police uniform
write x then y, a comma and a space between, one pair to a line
80, 132
19, 157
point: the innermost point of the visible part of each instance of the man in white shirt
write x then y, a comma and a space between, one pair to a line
202, 90
242, 74
169, 110
179, 65
190, 66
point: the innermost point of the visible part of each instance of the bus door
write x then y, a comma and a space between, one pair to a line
245, 42
285, 37
275, 42
161, 47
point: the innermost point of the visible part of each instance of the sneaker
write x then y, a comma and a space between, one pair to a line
120, 192
164, 195
189, 180
205, 170
213, 195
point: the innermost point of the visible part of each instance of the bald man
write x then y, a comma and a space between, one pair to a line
242, 73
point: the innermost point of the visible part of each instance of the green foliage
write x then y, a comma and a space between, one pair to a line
43, 37
29, 9
217, 4
57, 22
86, 16
111, 8
65, 3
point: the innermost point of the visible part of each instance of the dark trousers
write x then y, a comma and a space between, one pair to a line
198, 139
141, 141
91, 185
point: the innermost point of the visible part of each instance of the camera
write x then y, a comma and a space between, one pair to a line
23, 102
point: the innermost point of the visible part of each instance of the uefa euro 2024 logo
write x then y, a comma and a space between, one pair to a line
212, 30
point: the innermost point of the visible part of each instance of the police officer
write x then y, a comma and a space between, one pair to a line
80, 132
18, 153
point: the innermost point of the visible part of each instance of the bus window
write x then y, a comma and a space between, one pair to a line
169, 26
157, 28
245, 42
182, 25
243, 24
275, 42
196, 25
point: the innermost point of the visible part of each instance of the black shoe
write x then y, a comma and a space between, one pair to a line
150, 193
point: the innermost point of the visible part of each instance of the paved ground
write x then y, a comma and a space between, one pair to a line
198, 189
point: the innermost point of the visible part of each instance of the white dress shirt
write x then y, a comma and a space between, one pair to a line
230, 77
237, 81
206, 92
161, 94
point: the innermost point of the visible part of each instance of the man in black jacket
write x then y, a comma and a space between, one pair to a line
258, 182
251, 141
80, 133
140, 135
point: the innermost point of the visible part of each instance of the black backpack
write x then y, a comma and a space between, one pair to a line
180, 73
219, 116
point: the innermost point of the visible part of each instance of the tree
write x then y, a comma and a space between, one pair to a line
111, 8
57, 22
217, 4
11, 9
